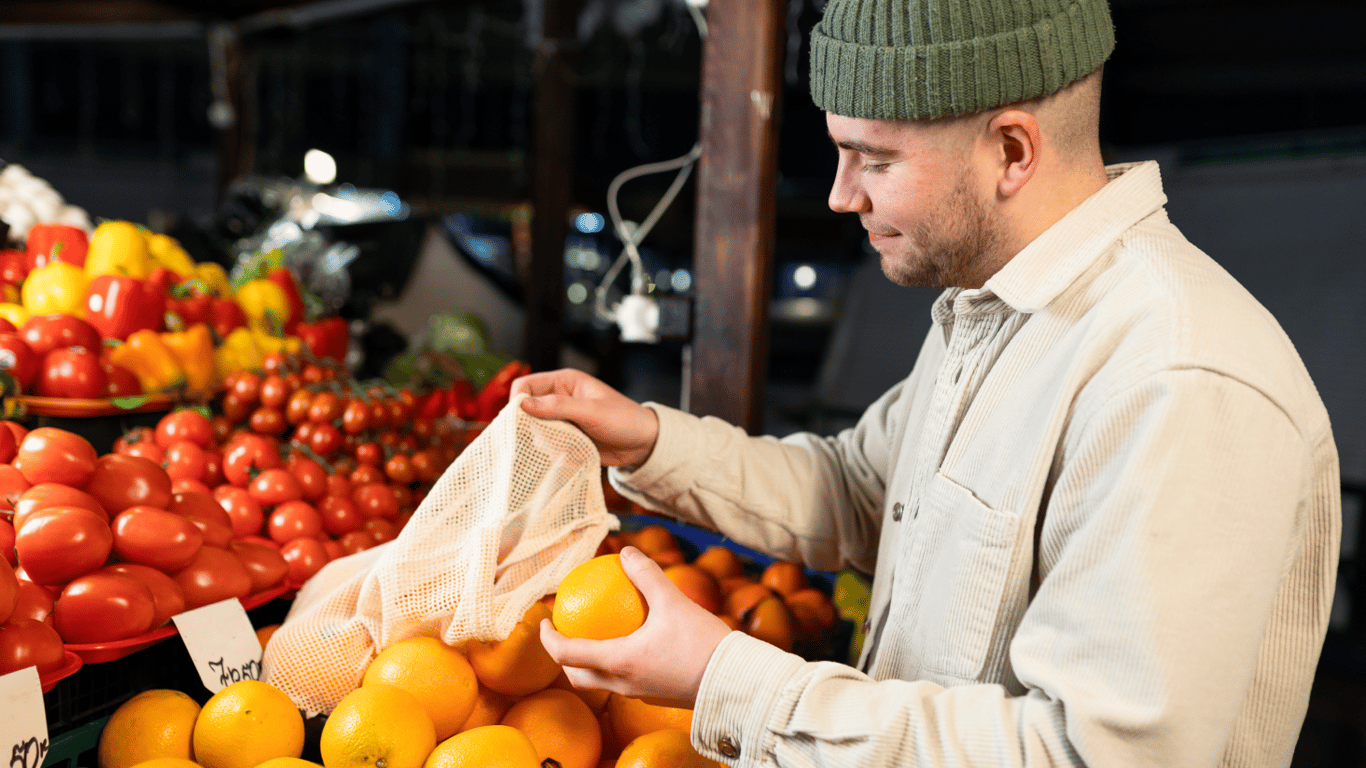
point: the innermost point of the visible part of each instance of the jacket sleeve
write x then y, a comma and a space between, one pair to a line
808, 498
1172, 559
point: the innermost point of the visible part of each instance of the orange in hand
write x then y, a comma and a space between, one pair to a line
597, 600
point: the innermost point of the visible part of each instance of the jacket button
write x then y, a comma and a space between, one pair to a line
867, 624
896, 512
727, 747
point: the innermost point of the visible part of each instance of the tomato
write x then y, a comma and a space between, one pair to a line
236, 409
185, 424
156, 537
119, 381
9, 593
338, 485
356, 417
302, 433
119, 482
49, 454
17, 358
30, 643
325, 408
8, 446
17, 429
44, 495
339, 515
72, 372
426, 465
355, 541
399, 469
57, 544
333, 549
380, 530
265, 564
215, 574
206, 514
167, 597
184, 459
374, 500
140, 441
12, 484
274, 486
276, 363
222, 427
311, 476
325, 439
34, 602
242, 509
275, 392
305, 556
292, 520
7, 543
44, 333
298, 406
267, 421
313, 373
185, 485
247, 385
367, 474
403, 496
246, 454
102, 607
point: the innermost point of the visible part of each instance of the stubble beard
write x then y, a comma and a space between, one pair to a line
947, 249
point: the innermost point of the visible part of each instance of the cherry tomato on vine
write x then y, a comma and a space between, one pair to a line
274, 486
370, 453
306, 556
339, 515
185, 424
325, 439
311, 476
297, 408
275, 392
248, 454
374, 500
356, 417
399, 468
185, 460
268, 421
292, 520
243, 511
366, 474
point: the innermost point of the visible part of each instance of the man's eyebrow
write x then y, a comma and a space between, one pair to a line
864, 149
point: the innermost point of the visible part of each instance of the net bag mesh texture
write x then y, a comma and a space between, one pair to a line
517, 510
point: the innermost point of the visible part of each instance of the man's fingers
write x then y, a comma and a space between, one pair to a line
646, 574
574, 651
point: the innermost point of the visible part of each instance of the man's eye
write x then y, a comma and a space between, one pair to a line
875, 167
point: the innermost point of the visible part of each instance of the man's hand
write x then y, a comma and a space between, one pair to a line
623, 430
663, 661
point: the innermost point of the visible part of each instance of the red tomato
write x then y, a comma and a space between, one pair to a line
370, 453
30, 643
367, 474
356, 417
215, 574
325, 408
265, 564
12, 483
53, 455
338, 485
102, 607
9, 593
18, 429
155, 537
206, 514
213, 468
311, 476
57, 544
167, 597
44, 333
399, 468
7, 543
292, 520
426, 465
72, 372
267, 421
305, 556
275, 392
403, 496
44, 495
274, 486
184, 459
235, 408
325, 439
247, 385
185, 424
17, 358
140, 441
119, 482
185, 485
242, 509
222, 427
355, 541
333, 549
339, 515
380, 530
8, 446
297, 407
34, 602
248, 452
253, 538
302, 433
119, 381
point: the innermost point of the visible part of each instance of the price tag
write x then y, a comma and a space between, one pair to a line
221, 642
23, 729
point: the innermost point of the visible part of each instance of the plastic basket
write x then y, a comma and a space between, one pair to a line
76, 748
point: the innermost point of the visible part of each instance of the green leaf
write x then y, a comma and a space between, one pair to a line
130, 402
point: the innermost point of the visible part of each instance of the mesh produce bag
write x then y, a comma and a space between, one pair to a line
519, 508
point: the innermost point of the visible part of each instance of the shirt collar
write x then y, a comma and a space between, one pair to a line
1055, 259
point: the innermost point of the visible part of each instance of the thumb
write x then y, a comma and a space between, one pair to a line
646, 574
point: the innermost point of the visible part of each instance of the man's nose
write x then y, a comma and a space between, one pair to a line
845, 195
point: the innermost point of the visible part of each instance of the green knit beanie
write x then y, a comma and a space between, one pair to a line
922, 59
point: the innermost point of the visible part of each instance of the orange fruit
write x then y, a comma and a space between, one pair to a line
152, 724
246, 724
814, 610
669, 557
784, 576
663, 749
632, 718
721, 562
518, 664
169, 762
561, 726
594, 698
698, 584
597, 600
745, 597
377, 725
730, 621
772, 621
289, 762
437, 674
732, 583
264, 634
654, 539
488, 746
489, 708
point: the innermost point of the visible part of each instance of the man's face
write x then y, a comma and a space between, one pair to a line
914, 191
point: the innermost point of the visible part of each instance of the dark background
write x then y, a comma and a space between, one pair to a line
1255, 110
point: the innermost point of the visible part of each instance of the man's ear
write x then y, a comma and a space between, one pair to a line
1018, 141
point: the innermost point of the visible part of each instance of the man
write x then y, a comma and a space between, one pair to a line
1102, 511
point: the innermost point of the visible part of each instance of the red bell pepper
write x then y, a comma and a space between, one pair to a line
497, 389
463, 402
188, 311
225, 315
118, 305
13, 267
49, 242
283, 277
433, 405
163, 279
328, 337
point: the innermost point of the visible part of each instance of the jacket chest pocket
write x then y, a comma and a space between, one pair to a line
961, 562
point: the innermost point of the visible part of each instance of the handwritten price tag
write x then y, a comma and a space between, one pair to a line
23, 729
221, 642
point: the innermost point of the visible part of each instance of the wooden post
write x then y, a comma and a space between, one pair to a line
742, 60
552, 159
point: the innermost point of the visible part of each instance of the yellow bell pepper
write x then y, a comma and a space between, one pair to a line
15, 313
165, 251
58, 287
269, 343
147, 356
239, 352
214, 278
118, 248
193, 347
265, 305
